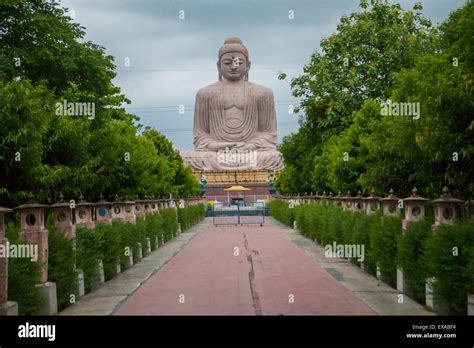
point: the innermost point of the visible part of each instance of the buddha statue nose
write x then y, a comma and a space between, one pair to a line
235, 63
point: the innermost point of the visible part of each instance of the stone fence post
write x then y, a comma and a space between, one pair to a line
391, 204
83, 213
372, 204
103, 214
63, 217
414, 207
140, 208
62, 214
102, 211
447, 210
347, 202
34, 233
390, 207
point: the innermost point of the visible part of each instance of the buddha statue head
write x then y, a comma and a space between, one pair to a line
233, 64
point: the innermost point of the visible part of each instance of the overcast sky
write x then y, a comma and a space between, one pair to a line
171, 58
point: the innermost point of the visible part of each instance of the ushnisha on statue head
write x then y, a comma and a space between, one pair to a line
233, 62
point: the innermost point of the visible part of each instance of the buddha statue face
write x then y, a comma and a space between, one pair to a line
233, 66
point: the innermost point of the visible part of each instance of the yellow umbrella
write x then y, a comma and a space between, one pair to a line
235, 188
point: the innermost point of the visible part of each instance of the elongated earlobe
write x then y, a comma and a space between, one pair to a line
219, 72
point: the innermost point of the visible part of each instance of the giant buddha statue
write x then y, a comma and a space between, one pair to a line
234, 119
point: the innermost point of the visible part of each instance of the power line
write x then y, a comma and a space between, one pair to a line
206, 69
190, 106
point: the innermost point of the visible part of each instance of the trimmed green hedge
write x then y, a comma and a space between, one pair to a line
109, 248
420, 252
191, 215
169, 224
281, 211
411, 257
88, 250
61, 258
450, 258
385, 248
154, 226
23, 275
105, 242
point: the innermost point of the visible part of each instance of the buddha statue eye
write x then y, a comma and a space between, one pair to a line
237, 60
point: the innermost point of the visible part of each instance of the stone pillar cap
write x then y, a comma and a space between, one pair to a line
415, 197
372, 197
82, 202
101, 201
61, 203
5, 210
391, 196
31, 203
446, 197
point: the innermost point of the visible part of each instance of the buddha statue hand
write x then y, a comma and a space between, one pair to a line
245, 147
220, 146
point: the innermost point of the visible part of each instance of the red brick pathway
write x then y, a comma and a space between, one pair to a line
270, 275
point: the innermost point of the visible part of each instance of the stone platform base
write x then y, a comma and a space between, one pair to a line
259, 183
233, 177
257, 191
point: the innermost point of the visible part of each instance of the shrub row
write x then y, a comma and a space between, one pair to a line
22, 277
281, 212
106, 242
190, 215
447, 254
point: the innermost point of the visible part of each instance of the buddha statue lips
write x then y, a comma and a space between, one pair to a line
234, 119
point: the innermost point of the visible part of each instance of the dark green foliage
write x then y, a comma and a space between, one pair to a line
72, 154
23, 276
411, 257
420, 252
354, 64
130, 236
344, 143
169, 223
153, 227
138, 231
384, 242
88, 251
280, 210
449, 253
110, 247
61, 271
190, 215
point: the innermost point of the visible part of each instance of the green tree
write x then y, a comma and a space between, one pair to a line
24, 110
356, 63
45, 61
436, 149
184, 183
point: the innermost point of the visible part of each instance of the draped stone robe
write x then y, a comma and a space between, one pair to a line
257, 126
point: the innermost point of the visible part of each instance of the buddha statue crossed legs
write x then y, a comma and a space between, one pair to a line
234, 119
